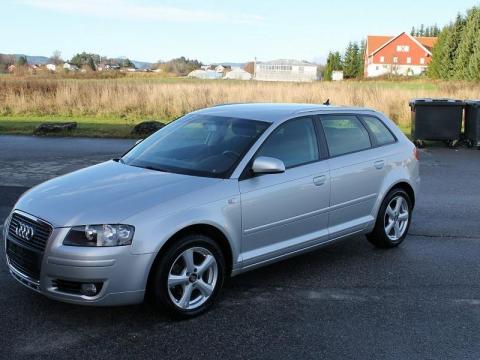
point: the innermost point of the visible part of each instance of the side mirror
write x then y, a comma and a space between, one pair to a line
268, 165
138, 141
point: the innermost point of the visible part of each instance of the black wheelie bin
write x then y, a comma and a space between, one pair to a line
472, 123
437, 120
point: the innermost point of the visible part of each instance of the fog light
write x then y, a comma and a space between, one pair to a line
89, 289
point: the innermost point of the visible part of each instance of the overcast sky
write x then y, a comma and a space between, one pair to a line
211, 31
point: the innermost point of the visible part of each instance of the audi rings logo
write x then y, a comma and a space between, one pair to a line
24, 231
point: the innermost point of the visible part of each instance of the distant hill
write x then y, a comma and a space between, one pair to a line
36, 59
31, 59
142, 64
231, 64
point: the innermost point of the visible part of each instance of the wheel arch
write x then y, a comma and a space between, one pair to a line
405, 186
205, 229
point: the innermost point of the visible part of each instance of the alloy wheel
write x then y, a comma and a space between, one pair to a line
192, 278
396, 218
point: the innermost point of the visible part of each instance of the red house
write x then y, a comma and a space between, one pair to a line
400, 55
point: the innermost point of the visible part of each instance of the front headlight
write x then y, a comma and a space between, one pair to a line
100, 235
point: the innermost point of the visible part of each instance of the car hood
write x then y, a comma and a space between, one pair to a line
106, 193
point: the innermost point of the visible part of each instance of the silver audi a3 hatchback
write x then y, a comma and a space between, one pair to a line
215, 193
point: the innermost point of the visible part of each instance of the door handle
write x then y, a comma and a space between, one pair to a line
379, 164
319, 180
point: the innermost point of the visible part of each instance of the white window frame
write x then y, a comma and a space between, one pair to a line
395, 60
382, 59
422, 61
403, 48
409, 60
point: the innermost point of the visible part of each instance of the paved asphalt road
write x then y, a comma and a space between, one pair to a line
350, 300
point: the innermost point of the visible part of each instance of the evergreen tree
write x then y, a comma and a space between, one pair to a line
22, 60
439, 54
466, 45
127, 63
91, 64
334, 62
474, 64
421, 32
413, 32
350, 60
450, 47
361, 60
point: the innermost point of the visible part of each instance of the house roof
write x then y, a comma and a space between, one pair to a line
286, 62
376, 42
428, 42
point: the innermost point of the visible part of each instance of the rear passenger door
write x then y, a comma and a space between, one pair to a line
357, 170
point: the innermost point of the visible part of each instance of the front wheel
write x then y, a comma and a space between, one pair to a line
189, 276
393, 220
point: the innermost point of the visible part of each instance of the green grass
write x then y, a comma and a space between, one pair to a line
87, 127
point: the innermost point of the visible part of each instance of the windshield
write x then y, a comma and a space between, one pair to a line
201, 145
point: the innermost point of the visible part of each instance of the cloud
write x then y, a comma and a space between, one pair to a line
128, 10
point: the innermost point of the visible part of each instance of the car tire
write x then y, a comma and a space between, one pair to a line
393, 220
189, 276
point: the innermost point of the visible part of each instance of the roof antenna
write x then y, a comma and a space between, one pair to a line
327, 102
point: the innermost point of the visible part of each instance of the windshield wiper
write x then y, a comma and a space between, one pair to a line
119, 160
154, 168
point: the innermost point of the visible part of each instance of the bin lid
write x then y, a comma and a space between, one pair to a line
436, 102
474, 103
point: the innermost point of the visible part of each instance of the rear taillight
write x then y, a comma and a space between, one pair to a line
416, 153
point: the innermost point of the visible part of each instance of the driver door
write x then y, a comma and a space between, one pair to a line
285, 212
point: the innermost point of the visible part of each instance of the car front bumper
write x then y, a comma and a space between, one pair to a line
122, 276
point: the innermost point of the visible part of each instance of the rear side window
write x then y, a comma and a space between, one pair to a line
344, 134
294, 142
379, 130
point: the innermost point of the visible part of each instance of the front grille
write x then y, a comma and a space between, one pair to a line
41, 232
26, 254
24, 260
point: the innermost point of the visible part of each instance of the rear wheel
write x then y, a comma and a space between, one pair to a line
189, 276
393, 220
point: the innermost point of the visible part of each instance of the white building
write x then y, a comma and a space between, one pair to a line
286, 70
219, 68
205, 74
70, 67
337, 75
238, 74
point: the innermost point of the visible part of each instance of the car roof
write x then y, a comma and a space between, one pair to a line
272, 112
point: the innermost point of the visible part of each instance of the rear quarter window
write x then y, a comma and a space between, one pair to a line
382, 135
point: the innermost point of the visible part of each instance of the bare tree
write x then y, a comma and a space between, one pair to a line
56, 57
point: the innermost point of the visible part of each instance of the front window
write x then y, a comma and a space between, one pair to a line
293, 142
200, 145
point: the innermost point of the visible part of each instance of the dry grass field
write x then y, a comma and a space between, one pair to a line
110, 107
